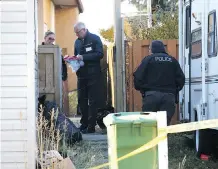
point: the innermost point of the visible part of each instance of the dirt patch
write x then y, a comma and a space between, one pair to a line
89, 154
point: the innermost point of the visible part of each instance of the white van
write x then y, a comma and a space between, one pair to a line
198, 47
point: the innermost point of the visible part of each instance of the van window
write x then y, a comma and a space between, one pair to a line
187, 26
212, 34
196, 37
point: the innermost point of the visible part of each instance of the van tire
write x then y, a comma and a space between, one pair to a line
202, 141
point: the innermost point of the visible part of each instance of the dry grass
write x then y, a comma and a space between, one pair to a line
86, 154
73, 103
178, 149
89, 154
48, 138
182, 164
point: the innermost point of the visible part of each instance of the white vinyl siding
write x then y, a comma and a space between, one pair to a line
17, 30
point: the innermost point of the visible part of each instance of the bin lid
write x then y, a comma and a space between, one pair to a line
130, 117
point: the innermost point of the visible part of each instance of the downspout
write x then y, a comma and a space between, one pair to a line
189, 60
181, 57
203, 61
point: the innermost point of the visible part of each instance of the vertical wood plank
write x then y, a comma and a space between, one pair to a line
42, 71
137, 55
112, 73
58, 76
130, 77
177, 51
49, 62
171, 48
145, 48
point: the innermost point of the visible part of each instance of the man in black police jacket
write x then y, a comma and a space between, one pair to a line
159, 78
89, 48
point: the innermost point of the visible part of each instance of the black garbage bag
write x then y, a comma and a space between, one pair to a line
70, 133
68, 130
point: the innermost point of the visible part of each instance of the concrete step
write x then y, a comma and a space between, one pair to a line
94, 137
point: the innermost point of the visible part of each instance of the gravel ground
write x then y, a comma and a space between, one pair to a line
92, 153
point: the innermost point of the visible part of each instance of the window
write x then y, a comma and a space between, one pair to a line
196, 37
212, 34
187, 26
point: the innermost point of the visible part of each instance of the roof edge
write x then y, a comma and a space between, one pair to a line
80, 6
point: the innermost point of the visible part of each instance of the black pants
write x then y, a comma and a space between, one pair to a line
88, 99
157, 101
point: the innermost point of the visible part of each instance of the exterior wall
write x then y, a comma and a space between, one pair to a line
52, 16
46, 15
65, 36
18, 84
40, 21
47, 12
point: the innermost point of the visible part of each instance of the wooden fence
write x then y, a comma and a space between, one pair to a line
135, 52
103, 80
50, 76
111, 76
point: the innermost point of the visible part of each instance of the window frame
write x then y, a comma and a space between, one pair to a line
187, 26
213, 33
198, 41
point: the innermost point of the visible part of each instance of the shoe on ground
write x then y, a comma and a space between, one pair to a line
88, 130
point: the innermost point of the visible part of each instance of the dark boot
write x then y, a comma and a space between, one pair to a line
88, 130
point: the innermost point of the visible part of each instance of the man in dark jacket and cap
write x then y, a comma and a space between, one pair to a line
159, 78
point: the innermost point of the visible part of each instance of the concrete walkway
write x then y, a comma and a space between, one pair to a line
98, 136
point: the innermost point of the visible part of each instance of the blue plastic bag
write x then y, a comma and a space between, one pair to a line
75, 64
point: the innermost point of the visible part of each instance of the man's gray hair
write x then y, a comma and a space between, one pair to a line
80, 25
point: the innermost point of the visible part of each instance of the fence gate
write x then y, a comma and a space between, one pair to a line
50, 74
135, 52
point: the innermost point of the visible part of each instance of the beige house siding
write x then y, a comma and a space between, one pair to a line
47, 12
65, 36
46, 16
40, 21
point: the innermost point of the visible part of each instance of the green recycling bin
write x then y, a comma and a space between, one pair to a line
127, 132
